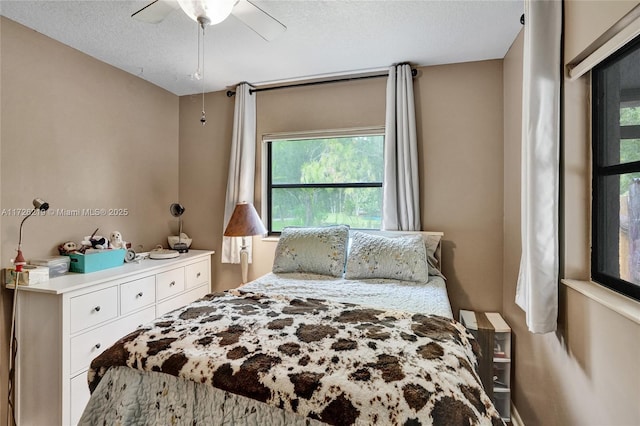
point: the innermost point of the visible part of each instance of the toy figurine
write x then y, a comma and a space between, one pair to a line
116, 241
96, 242
67, 248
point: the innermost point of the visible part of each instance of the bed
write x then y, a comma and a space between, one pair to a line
348, 328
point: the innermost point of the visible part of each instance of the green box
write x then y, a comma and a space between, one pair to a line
96, 261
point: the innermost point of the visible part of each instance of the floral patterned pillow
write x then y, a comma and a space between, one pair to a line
376, 256
313, 250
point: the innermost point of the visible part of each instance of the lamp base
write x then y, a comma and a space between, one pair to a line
244, 263
181, 247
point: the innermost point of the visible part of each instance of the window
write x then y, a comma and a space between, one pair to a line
615, 252
325, 179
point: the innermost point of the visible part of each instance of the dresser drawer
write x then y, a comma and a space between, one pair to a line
181, 300
79, 396
93, 308
137, 294
197, 273
89, 345
169, 283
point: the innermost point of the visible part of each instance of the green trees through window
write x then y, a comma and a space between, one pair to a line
324, 181
629, 141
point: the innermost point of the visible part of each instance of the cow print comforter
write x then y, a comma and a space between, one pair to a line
335, 362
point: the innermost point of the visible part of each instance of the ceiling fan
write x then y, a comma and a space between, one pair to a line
211, 12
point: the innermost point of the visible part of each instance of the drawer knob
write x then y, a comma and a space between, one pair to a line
139, 294
98, 345
172, 283
97, 308
198, 275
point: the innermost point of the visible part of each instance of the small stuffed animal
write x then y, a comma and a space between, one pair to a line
116, 241
99, 243
96, 242
67, 248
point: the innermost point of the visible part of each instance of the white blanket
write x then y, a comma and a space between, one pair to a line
429, 298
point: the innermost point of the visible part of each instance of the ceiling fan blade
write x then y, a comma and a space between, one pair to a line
258, 20
155, 11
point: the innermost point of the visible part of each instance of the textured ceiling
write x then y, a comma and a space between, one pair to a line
322, 38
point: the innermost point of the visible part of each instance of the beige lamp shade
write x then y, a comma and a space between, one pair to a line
244, 222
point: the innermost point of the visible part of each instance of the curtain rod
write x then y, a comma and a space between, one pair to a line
231, 93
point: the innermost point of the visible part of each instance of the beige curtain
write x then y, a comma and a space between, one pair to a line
537, 289
400, 188
240, 184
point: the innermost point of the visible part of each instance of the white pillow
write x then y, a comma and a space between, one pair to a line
313, 250
375, 256
432, 242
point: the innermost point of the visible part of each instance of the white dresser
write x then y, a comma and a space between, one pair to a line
66, 322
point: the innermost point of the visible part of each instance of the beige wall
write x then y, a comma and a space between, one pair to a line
204, 166
460, 129
80, 134
589, 19
459, 114
587, 372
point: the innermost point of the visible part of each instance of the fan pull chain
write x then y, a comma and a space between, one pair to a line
198, 73
203, 118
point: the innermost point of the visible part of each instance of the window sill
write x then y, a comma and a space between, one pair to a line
623, 305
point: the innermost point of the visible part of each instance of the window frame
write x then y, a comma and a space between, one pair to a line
602, 168
320, 134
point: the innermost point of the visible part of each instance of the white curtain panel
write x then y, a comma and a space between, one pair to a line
400, 190
240, 184
537, 289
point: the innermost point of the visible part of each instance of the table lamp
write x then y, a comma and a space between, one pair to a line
177, 211
38, 206
19, 262
244, 222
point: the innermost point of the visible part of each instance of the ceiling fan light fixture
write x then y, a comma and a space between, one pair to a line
207, 12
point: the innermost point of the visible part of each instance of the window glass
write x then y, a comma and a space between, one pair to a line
630, 131
325, 181
621, 200
630, 115
629, 150
615, 254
